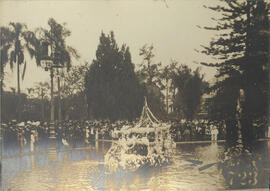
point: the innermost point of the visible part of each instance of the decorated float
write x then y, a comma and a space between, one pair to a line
147, 143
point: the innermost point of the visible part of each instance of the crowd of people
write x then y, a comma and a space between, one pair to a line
76, 131
197, 130
69, 133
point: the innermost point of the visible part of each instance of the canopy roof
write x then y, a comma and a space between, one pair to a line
147, 117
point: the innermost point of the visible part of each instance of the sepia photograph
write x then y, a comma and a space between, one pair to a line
143, 95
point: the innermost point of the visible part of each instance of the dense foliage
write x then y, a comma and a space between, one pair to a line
112, 88
150, 75
32, 108
15, 41
242, 51
190, 86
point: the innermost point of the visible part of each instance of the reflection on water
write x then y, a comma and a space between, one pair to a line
83, 169
52, 154
79, 169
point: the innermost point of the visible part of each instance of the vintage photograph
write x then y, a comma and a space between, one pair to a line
143, 95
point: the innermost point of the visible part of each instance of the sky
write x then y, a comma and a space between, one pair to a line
171, 27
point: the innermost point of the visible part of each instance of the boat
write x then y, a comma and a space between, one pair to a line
147, 143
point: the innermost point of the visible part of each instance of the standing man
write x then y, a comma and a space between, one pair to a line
214, 132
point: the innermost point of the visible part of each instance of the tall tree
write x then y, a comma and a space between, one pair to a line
242, 50
61, 53
255, 75
190, 86
73, 92
149, 71
111, 82
167, 75
5, 45
150, 74
16, 41
56, 37
74, 79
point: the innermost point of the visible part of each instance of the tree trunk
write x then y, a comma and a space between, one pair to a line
19, 92
231, 132
247, 130
167, 94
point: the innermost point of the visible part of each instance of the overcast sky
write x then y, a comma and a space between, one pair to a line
171, 28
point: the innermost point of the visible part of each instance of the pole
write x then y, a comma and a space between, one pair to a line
52, 105
59, 99
42, 104
52, 150
52, 100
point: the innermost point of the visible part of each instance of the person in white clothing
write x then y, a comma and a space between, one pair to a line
86, 132
214, 133
86, 135
32, 141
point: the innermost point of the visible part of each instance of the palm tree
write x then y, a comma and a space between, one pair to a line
61, 53
4, 47
17, 41
56, 37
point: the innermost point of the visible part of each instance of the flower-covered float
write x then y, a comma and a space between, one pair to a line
147, 143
